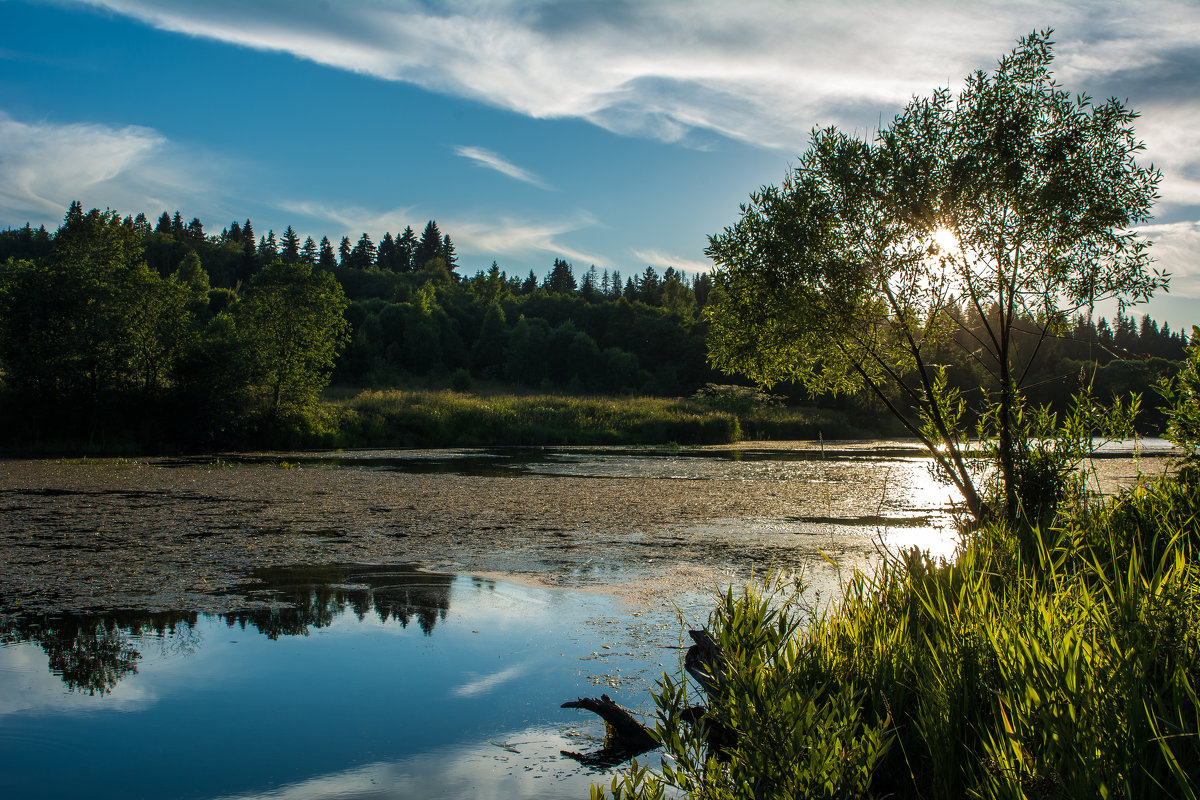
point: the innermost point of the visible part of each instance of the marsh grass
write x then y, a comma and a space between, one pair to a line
447, 419
1060, 662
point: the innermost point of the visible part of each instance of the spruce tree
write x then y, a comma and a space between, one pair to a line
308, 253
326, 258
385, 256
430, 246
363, 254
164, 224
447, 253
290, 251
406, 250
344, 252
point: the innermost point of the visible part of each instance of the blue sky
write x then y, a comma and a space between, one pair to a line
619, 134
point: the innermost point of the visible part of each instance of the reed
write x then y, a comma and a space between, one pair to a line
444, 419
1064, 669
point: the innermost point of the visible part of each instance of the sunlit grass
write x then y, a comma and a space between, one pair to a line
444, 419
1060, 663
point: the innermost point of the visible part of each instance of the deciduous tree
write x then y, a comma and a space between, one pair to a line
1013, 199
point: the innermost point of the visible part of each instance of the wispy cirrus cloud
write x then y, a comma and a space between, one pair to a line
762, 72
353, 221
492, 237
1177, 247
521, 238
46, 165
491, 160
660, 260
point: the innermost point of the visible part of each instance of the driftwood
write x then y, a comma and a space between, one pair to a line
627, 737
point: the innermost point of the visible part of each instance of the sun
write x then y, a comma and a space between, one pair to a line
945, 240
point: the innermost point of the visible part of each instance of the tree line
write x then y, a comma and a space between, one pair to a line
112, 327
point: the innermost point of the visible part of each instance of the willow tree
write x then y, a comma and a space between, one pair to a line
1011, 201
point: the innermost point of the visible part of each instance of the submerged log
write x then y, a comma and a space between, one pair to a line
626, 736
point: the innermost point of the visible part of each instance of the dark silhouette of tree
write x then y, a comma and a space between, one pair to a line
561, 279
289, 251
406, 250
326, 259
429, 247
447, 253
363, 255
308, 253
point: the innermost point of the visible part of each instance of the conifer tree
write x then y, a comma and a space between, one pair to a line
290, 251
308, 253
344, 249
363, 254
268, 249
530, 284
385, 255
429, 247
326, 258
561, 279
177, 226
447, 253
406, 250
194, 230
164, 224
74, 213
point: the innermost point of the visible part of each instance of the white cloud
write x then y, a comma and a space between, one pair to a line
491, 160
44, 166
485, 683
489, 238
762, 72
518, 238
1176, 248
660, 260
759, 72
521, 764
352, 221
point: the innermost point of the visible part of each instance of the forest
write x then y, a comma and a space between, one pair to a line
119, 334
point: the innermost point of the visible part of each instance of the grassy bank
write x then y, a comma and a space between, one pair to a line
425, 418
454, 419
1059, 663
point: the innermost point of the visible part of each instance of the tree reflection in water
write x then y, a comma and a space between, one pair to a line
92, 653
315, 596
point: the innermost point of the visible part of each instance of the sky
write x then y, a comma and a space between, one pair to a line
620, 134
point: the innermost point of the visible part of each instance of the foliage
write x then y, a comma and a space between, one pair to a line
291, 325
791, 739
985, 211
1182, 394
1069, 669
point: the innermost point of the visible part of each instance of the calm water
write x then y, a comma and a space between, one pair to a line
379, 682
374, 682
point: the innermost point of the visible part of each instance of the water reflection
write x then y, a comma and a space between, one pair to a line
92, 653
335, 697
315, 595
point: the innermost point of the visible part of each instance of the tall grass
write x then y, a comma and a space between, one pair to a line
447, 419
1061, 662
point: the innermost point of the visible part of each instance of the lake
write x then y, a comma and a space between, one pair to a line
401, 623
